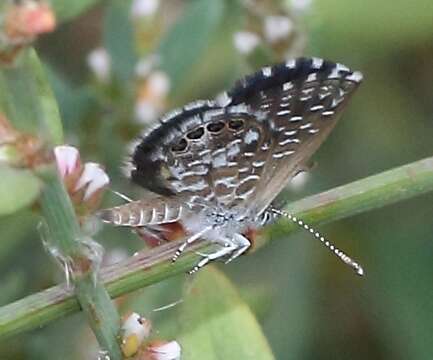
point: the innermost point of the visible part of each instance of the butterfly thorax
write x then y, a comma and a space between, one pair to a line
223, 223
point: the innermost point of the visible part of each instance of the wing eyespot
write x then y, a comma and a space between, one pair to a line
215, 127
236, 124
181, 145
195, 134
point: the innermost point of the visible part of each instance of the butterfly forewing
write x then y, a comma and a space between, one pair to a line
301, 101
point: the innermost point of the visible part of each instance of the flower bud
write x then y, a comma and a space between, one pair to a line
26, 19
69, 165
85, 184
134, 330
162, 350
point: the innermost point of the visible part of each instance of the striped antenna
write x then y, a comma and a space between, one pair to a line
343, 257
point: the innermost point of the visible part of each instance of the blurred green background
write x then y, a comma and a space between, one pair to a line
309, 304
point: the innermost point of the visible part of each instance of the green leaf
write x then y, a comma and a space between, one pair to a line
67, 9
27, 99
217, 324
119, 40
18, 188
392, 24
182, 46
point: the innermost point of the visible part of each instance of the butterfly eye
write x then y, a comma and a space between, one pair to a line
236, 124
180, 146
215, 127
195, 134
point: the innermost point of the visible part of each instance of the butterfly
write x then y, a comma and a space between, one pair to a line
214, 167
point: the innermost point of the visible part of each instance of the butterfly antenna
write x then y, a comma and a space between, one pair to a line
168, 306
343, 257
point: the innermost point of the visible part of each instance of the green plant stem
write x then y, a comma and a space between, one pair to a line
155, 265
64, 240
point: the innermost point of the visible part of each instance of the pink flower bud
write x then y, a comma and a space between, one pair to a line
162, 350
83, 183
92, 179
25, 20
67, 159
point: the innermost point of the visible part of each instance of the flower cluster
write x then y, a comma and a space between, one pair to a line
84, 183
270, 30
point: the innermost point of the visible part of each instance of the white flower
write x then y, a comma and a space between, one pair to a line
99, 62
151, 98
67, 159
245, 42
145, 112
141, 8
277, 28
159, 83
93, 178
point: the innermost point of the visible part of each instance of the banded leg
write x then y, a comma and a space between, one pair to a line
225, 250
189, 241
243, 245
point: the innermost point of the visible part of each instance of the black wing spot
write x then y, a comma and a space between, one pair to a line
195, 134
215, 127
180, 146
236, 124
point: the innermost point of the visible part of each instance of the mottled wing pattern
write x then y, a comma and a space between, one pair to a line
241, 150
150, 211
206, 155
301, 101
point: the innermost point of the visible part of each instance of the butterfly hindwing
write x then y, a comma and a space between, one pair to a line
212, 156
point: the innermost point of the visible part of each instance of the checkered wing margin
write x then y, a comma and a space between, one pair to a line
242, 149
301, 101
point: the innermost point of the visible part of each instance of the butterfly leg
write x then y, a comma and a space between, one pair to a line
189, 241
228, 248
242, 245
